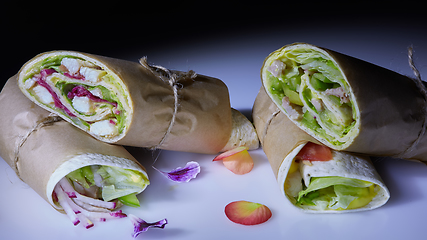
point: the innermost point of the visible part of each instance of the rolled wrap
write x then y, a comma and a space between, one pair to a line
133, 104
282, 140
42, 148
371, 110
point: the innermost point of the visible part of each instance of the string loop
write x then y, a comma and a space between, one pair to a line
173, 78
423, 91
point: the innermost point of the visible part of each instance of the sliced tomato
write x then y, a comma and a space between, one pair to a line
314, 152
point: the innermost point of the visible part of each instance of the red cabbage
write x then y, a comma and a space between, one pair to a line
42, 82
75, 76
80, 91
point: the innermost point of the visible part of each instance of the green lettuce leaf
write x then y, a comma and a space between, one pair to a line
303, 56
326, 67
308, 74
336, 193
50, 62
118, 183
82, 176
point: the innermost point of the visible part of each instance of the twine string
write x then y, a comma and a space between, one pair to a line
51, 119
423, 91
172, 78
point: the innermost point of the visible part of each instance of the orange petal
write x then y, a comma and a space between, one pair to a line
229, 153
247, 213
239, 163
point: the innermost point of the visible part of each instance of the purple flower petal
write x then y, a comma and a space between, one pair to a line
142, 226
184, 174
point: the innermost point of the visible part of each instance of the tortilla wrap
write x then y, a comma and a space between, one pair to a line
346, 103
133, 104
282, 140
42, 148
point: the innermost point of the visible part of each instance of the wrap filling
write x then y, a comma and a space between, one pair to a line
325, 192
92, 193
80, 90
311, 89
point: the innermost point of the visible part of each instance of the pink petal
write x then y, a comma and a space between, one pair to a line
247, 213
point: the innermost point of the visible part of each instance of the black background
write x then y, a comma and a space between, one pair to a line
118, 29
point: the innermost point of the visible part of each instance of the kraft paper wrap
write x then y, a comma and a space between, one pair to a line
277, 134
171, 110
42, 148
281, 140
391, 106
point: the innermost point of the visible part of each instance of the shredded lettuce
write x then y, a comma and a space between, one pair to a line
49, 62
337, 193
81, 176
120, 182
117, 183
326, 67
65, 86
310, 76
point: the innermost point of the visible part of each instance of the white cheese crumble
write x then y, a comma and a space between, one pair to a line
30, 83
43, 94
96, 92
82, 104
73, 65
91, 74
103, 128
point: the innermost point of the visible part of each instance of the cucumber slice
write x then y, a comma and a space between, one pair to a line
130, 200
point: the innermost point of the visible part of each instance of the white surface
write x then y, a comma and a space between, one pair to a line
195, 210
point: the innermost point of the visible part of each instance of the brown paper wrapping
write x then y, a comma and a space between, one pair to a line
280, 137
277, 134
169, 109
39, 145
391, 109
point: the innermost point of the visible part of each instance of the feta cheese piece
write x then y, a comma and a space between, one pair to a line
43, 94
96, 92
82, 104
73, 65
92, 74
30, 83
104, 128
